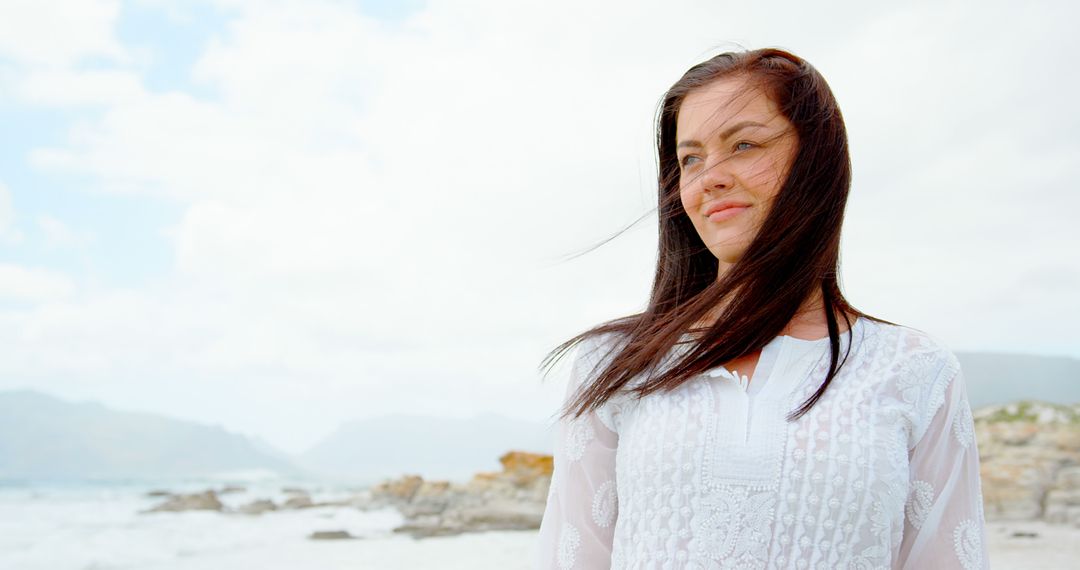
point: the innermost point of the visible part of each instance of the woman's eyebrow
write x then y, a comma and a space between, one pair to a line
727, 133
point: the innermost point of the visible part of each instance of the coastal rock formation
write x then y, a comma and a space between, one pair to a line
208, 500
1029, 455
257, 507
1063, 498
331, 535
1029, 458
299, 502
204, 501
511, 499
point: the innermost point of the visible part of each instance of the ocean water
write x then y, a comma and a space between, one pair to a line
98, 526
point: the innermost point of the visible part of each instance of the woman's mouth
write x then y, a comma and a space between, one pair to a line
727, 213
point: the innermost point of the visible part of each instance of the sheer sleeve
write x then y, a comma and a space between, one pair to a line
578, 525
944, 525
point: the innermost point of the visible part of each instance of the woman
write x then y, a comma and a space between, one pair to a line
750, 417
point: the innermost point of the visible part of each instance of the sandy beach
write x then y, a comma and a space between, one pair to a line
46, 529
1053, 547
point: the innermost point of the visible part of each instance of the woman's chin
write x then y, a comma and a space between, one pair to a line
727, 248
726, 255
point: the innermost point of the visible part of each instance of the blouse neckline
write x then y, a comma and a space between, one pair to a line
857, 323
823, 339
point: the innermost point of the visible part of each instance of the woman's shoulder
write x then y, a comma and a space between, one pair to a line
919, 366
595, 352
912, 350
592, 354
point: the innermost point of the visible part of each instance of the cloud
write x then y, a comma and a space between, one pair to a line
22, 283
59, 32
67, 87
376, 212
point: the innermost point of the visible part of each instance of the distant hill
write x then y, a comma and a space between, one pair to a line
393, 445
455, 449
46, 437
43, 437
998, 378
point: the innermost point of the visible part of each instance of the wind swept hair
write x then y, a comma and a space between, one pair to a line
795, 253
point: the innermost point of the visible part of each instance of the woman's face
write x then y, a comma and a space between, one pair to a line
734, 149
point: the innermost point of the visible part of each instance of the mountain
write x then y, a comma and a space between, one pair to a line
998, 378
390, 446
444, 448
43, 437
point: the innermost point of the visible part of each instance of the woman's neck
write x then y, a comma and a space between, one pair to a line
808, 323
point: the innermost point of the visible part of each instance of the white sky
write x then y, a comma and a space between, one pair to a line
338, 210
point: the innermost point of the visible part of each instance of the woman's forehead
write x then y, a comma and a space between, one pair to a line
725, 101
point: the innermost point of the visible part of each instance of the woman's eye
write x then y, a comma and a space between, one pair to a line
739, 145
686, 159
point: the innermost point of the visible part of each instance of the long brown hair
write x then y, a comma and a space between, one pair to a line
795, 253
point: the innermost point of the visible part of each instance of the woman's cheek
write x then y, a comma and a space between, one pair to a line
691, 202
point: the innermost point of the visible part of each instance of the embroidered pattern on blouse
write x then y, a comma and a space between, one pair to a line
918, 504
910, 386
569, 541
968, 544
578, 434
606, 416
825, 491
868, 558
936, 398
603, 505
963, 427
914, 372
879, 519
914, 368
737, 525
618, 559
755, 457
823, 488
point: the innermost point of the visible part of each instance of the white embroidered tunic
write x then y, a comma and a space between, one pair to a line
882, 473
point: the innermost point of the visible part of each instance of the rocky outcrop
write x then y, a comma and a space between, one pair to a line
204, 501
208, 500
1029, 455
331, 535
511, 499
1062, 503
257, 507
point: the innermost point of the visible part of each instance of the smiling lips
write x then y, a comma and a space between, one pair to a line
725, 209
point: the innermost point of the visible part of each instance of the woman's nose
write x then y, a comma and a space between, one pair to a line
716, 176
